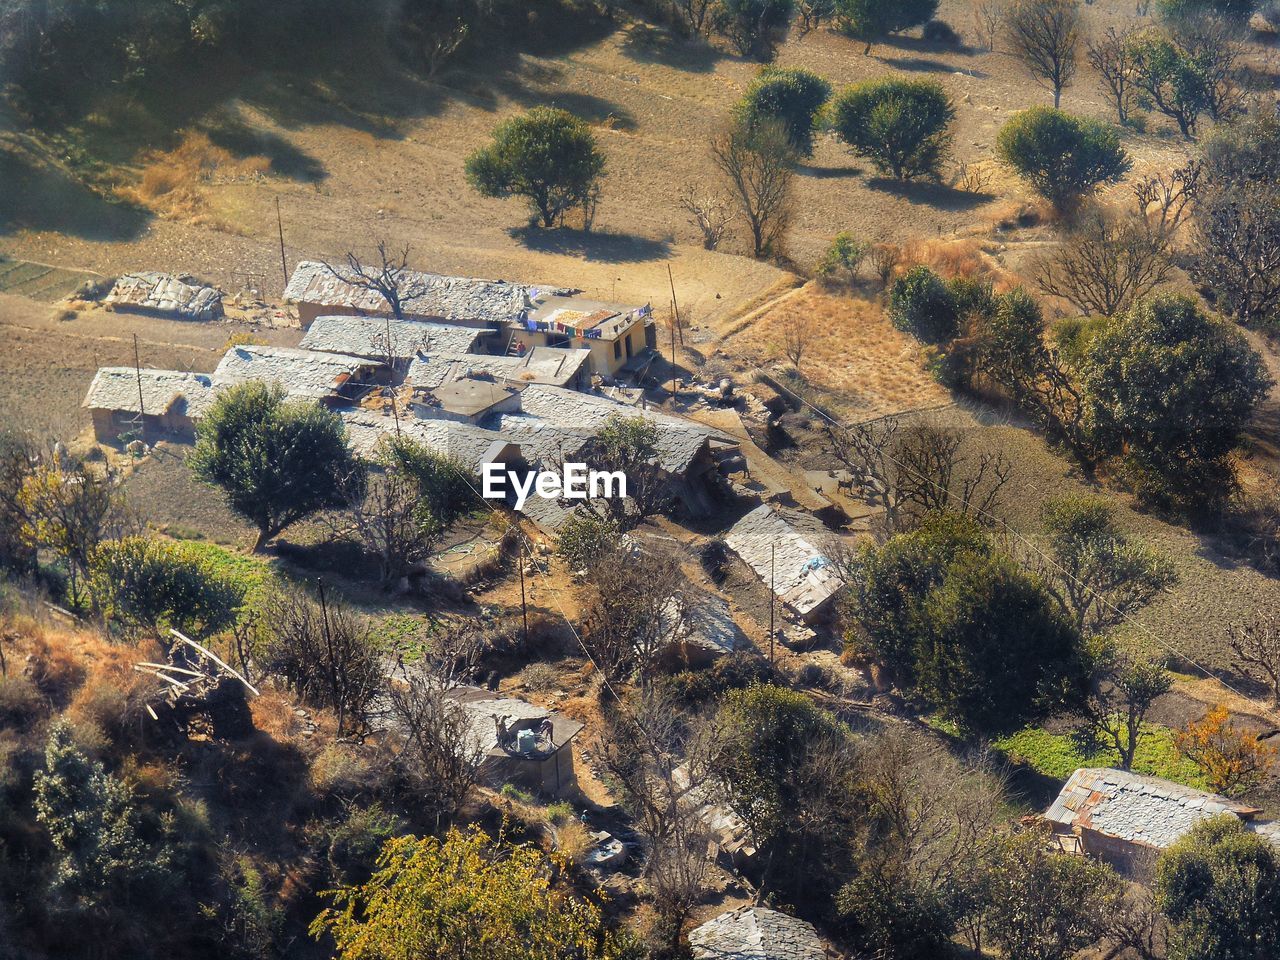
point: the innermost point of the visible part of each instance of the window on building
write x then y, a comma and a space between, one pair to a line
617, 350
628, 346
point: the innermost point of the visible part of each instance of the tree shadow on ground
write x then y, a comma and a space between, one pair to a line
921, 45
597, 246
924, 65
647, 44
593, 109
39, 196
287, 160
826, 173
937, 195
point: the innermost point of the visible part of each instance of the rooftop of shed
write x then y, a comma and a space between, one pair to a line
163, 293
756, 933
368, 337
162, 391
772, 546
302, 373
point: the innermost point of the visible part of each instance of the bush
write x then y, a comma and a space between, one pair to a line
548, 156
842, 259
792, 95
145, 584
20, 701
1062, 157
901, 126
939, 31
923, 305
872, 20
751, 24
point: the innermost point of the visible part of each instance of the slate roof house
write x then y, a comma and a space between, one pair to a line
1127, 818
551, 366
616, 335
470, 445
367, 337
756, 933
771, 544
156, 403
463, 301
521, 743
164, 295
304, 374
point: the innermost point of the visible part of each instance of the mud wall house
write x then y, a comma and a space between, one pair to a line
615, 335
160, 294
521, 743
778, 551
380, 338
328, 378
152, 404
462, 301
1126, 819
757, 933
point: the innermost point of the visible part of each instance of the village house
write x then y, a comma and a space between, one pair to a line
615, 335
780, 553
1126, 819
469, 445
550, 366
521, 743
466, 400
756, 933
706, 631
152, 404
463, 301
380, 338
160, 294
329, 378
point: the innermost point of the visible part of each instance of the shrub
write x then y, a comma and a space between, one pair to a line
548, 156
792, 95
1062, 157
20, 701
939, 31
141, 583
901, 126
872, 20
922, 304
842, 259
751, 24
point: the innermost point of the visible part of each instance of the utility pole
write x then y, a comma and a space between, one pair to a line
675, 322
524, 606
137, 373
772, 595
284, 264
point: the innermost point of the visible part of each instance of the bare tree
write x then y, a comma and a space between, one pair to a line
1256, 649
910, 469
1124, 690
796, 332
884, 259
1137, 928
1166, 199
814, 13
1044, 35
323, 651
1111, 55
695, 15
708, 210
638, 607
988, 20
758, 163
386, 279
1107, 263
1237, 248
437, 751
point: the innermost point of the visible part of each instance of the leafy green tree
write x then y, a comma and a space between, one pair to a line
101, 859
277, 461
1170, 78
584, 538
548, 156
923, 304
844, 256
1237, 11
1124, 689
142, 583
785, 767
1062, 157
751, 24
1219, 885
1045, 905
901, 126
997, 652
1099, 575
628, 445
465, 898
872, 20
1169, 390
790, 94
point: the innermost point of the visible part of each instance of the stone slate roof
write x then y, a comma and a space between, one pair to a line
708, 624
423, 295
366, 337
163, 391
1138, 809
302, 373
546, 365
804, 578
151, 292
756, 933
580, 415
470, 445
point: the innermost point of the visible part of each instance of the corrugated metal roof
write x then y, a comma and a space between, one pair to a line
162, 293
804, 578
116, 388
301, 373
367, 337
756, 933
1137, 808
423, 295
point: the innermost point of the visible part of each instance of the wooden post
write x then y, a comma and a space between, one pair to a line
772, 551
142, 407
284, 264
524, 606
675, 322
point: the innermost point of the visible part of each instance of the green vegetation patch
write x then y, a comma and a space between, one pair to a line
1057, 755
